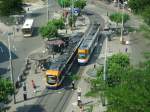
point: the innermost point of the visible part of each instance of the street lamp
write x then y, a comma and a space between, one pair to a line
105, 59
121, 38
10, 64
47, 11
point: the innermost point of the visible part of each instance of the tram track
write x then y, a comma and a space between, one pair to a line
67, 95
57, 101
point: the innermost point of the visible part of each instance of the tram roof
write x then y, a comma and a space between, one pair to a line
28, 23
88, 40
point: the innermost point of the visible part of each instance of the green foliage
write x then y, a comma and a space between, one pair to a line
146, 15
147, 54
51, 29
6, 88
64, 3
117, 17
91, 94
138, 6
119, 59
127, 89
141, 7
59, 23
80, 4
10, 7
72, 20
145, 31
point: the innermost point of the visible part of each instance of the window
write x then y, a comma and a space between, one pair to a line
51, 79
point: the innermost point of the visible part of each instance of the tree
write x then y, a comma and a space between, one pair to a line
80, 4
51, 29
141, 7
138, 6
146, 15
72, 20
117, 17
59, 23
10, 7
64, 3
132, 91
6, 89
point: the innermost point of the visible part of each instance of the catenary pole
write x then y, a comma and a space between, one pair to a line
121, 38
105, 59
11, 67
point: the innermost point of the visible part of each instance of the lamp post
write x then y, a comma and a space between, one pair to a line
47, 11
72, 11
105, 59
121, 38
10, 64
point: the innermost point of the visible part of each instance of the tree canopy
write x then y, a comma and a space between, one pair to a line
78, 3
127, 89
141, 7
10, 7
51, 29
6, 88
117, 17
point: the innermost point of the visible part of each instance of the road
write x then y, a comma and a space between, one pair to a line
22, 47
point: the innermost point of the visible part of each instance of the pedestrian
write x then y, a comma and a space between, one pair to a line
73, 85
79, 92
33, 85
79, 101
126, 49
94, 66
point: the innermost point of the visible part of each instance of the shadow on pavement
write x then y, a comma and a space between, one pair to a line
35, 31
31, 108
4, 53
3, 71
38, 96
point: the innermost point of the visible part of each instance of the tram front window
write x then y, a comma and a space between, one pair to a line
51, 79
82, 56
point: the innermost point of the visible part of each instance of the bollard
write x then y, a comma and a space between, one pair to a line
25, 96
24, 91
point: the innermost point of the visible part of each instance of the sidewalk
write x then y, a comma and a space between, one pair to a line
37, 75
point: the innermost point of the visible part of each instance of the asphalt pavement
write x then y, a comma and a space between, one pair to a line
22, 47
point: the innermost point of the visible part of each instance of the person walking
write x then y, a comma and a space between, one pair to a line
126, 49
73, 85
33, 85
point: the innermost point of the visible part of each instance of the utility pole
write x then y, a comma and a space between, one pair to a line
10, 64
47, 11
105, 59
121, 38
72, 10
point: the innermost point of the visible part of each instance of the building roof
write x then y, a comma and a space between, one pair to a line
55, 42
